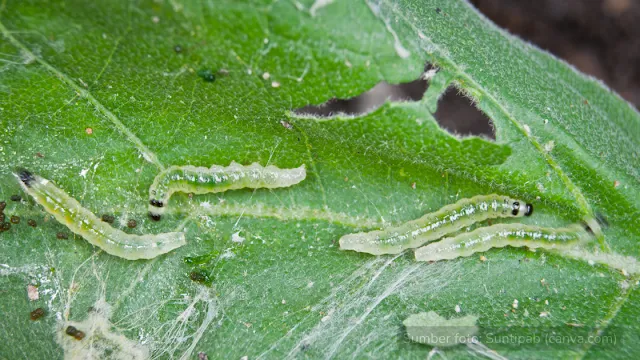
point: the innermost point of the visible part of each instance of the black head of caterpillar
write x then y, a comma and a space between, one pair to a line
26, 177
156, 203
527, 208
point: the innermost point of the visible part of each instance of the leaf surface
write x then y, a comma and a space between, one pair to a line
99, 97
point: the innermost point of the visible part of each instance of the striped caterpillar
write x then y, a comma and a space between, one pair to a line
83, 222
433, 226
501, 235
201, 180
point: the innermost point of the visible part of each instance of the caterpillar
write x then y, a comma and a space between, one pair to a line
432, 226
501, 235
83, 222
201, 180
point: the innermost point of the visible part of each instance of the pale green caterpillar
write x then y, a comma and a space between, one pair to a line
83, 222
432, 226
501, 235
202, 180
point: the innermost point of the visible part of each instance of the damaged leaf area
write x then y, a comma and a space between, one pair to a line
101, 97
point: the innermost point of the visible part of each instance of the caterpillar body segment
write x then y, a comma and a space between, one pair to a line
433, 226
202, 180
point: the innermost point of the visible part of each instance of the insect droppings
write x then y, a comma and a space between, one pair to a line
32, 223
72, 331
3, 204
108, 218
15, 198
131, 224
201, 276
2, 217
15, 219
37, 314
62, 236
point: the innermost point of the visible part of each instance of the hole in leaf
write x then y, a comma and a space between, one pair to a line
368, 101
455, 112
459, 116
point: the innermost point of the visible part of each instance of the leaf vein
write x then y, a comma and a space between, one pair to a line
121, 127
583, 205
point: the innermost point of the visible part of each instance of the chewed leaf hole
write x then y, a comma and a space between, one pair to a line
458, 115
455, 112
368, 101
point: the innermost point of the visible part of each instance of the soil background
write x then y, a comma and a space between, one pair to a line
599, 37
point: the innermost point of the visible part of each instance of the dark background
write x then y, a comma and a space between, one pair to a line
599, 37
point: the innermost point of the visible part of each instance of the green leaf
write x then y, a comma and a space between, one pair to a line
100, 96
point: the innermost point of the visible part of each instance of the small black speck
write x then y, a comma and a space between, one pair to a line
177, 49
5, 227
154, 217
32, 223
207, 75
156, 203
62, 236
16, 198
2, 206
15, 219
438, 10
108, 218
132, 224
37, 314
